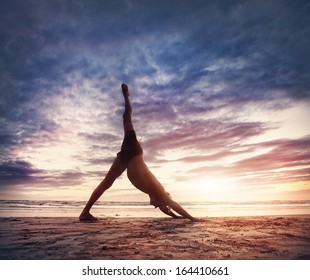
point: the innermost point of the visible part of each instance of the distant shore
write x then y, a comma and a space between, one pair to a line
236, 238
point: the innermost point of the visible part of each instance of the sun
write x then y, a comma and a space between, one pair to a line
213, 188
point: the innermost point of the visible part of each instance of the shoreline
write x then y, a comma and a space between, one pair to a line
102, 209
118, 238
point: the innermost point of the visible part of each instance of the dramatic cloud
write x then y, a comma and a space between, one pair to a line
16, 172
287, 159
217, 87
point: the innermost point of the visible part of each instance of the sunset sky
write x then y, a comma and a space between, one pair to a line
220, 93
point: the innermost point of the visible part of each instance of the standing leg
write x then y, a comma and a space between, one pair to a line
117, 168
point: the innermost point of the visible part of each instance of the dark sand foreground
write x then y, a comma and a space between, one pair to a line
156, 238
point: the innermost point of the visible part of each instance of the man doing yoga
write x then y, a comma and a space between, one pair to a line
130, 158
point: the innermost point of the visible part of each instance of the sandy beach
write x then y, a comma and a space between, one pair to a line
229, 238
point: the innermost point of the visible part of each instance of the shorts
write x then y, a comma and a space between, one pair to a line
130, 147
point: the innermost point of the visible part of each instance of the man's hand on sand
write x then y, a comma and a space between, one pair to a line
199, 220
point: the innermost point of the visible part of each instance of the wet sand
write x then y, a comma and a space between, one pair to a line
227, 238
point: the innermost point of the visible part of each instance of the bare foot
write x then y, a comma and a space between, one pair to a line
87, 217
125, 90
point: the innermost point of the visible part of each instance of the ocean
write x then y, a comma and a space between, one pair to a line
54, 208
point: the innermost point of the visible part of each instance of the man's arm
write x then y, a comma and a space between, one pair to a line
179, 209
167, 211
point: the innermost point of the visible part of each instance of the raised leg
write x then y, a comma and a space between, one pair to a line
127, 116
117, 168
